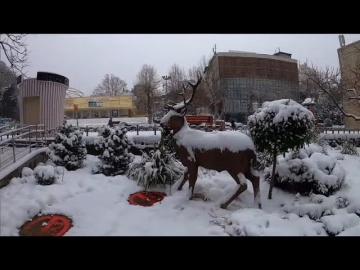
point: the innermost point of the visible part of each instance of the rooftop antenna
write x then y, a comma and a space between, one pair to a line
342, 40
214, 49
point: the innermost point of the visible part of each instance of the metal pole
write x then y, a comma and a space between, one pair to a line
36, 140
30, 138
13, 144
77, 119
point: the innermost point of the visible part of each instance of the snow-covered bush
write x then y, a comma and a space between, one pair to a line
44, 175
349, 148
115, 156
317, 207
104, 131
281, 125
338, 223
69, 149
308, 172
159, 167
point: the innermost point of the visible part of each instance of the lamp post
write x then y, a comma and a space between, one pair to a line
166, 78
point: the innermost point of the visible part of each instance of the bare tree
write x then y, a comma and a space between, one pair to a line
7, 76
147, 83
175, 84
111, 85
215, 94
15, 50
338, 90
202, 98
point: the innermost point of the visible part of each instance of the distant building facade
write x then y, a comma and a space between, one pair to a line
349, 59
242, 81
100, 106
41, 99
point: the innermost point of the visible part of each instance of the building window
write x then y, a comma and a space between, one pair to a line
95, 104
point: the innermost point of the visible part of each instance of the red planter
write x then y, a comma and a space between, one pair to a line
146, 198
46, 225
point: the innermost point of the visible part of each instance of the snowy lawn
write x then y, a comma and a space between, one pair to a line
98, 206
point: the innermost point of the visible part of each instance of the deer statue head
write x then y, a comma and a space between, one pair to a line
175, 116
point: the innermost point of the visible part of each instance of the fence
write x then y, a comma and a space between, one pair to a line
330, 130
15, 142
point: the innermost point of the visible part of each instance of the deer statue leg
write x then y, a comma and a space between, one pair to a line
240, 179
193, 173
255, 180
186, 176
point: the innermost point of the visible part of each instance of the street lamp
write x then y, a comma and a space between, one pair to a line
166, 78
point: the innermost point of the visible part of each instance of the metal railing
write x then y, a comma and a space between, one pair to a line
18, 142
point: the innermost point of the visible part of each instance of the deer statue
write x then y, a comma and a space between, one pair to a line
229, 151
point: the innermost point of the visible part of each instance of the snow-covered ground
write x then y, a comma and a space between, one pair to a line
98, 206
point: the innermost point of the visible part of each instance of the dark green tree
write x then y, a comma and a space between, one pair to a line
115, 154
280, 126
69, 148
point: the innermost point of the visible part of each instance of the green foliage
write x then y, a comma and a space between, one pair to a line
69, 148
115, 156
281, 125
159, 167
167, 140
349, 148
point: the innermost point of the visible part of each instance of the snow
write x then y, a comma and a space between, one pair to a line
338, 223
98, 206
45, 172
311, 166
283, 109
308, 100
197, 139
21, 161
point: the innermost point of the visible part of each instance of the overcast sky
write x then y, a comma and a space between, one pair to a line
85, 59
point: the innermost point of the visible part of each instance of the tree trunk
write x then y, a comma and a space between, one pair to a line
149, 109
272, 175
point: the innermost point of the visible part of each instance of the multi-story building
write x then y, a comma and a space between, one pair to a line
100, 106
244, 80
349, 59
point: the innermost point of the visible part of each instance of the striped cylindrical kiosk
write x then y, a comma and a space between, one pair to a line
42, 99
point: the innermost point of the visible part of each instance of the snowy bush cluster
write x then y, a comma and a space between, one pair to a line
45, 175
114, 147
349, 148
42, 174
159, 167
69, 148
308, 170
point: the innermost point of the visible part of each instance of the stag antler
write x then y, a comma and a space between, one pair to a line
194, 87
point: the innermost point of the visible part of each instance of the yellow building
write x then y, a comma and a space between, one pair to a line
100, 107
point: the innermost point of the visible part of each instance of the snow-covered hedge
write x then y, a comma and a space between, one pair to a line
45, 175
308, 171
